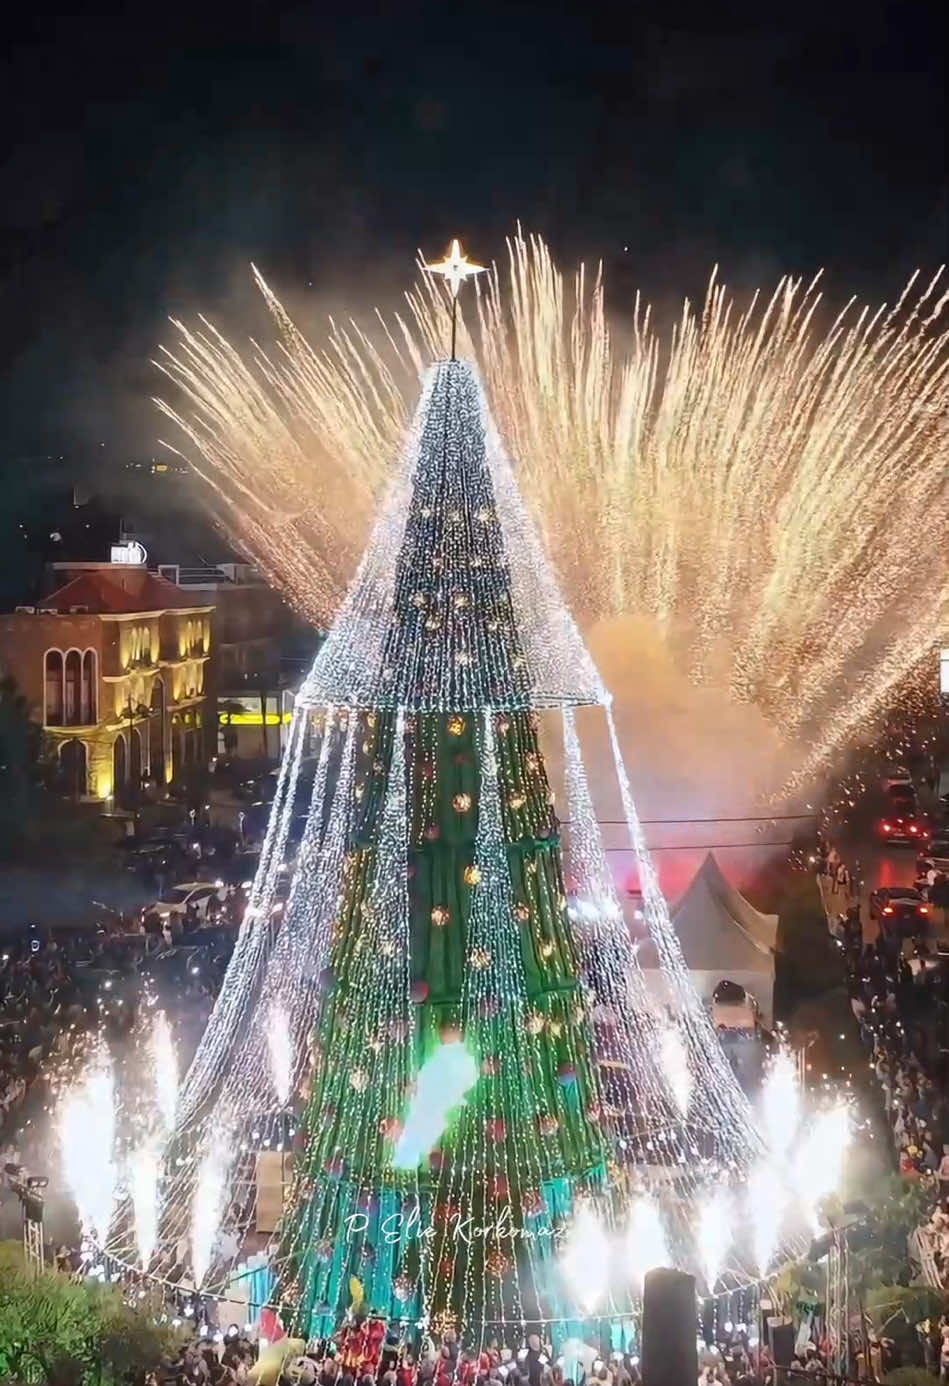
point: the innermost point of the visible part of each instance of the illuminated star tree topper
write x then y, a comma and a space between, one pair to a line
455, 269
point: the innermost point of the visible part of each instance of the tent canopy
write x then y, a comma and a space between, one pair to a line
718, 929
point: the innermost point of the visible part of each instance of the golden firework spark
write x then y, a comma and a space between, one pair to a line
768, 484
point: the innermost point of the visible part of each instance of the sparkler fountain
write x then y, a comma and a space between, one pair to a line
451, 1013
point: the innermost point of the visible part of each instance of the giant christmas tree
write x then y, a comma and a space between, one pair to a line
492, 1125
451, 928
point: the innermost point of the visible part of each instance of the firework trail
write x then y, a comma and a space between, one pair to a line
767, 486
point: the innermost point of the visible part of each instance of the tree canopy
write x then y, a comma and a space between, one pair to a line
57, 1332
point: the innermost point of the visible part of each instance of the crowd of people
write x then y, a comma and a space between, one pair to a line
57, 989
899, 996
365, 1353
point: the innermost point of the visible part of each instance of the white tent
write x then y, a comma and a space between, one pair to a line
723, 938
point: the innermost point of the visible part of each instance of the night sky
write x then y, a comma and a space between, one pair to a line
149, 152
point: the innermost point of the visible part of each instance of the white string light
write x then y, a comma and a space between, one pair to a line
454, 625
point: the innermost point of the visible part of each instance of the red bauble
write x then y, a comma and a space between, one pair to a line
496, 1129
419, 992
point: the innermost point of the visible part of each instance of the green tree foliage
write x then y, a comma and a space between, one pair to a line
58, 1333
19, 749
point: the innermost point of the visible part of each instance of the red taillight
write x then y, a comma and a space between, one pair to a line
913, 828
885, 827
887, 909
924, 909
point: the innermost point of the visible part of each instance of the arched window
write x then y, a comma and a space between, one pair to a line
73, 667
89, 712
53, 677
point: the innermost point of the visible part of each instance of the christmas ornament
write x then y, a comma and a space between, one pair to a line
461, 803
456, 725
498, 1263
403, 1287
472, 875
441, 915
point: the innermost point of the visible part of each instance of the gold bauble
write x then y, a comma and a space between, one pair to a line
440, 916
516, 801
522, 913
359, 1079
456, 725
472, 875
461, 803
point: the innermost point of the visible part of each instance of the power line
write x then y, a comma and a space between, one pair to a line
747, 818
705, 846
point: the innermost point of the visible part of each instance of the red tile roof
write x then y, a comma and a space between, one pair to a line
118, 591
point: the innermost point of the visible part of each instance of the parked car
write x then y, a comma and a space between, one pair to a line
896, 776
899, 908
196, 894
906, 827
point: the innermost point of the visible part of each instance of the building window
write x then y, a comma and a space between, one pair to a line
73, 665
89, 711
54, 688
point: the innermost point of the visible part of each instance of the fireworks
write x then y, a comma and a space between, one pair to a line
767, 1199
210, 1196
585, 1259
143, 1186
164, 1070
714, 1237
280, 1047
781, 1104
645, 1240
674, 1059
86, 1140
819, 1160
764, 486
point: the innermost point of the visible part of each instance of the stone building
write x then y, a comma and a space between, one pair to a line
114, 666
